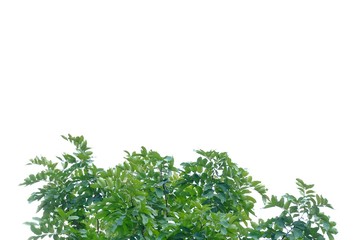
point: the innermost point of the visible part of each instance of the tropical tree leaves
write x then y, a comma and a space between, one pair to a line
147, 197
301, 217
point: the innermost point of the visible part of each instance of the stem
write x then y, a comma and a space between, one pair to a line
97, 226
164, 189
166, 200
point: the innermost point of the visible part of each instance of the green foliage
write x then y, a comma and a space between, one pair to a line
300, 218
147, 197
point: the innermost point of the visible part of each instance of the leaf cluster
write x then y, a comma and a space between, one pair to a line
147, 197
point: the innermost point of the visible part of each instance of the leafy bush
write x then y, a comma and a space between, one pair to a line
147, 197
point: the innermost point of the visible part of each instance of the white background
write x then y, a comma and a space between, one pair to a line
273, 83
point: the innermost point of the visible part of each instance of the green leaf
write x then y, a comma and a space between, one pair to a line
73, 218
280, 222
144, 219
159, 192
297, 233
35, 230
221, 196
209, 193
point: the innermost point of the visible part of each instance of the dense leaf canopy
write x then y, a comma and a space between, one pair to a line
147, 197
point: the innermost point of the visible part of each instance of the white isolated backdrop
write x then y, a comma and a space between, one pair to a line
273, 83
